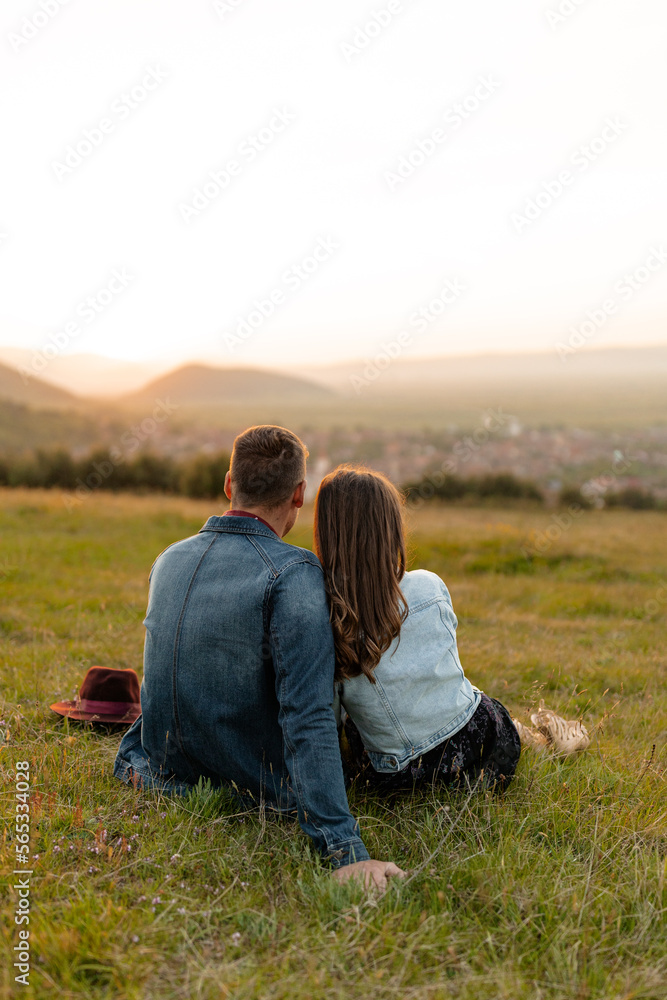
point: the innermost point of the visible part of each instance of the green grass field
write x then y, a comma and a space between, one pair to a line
556, 891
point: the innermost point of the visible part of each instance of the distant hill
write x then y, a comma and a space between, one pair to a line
597, 366
89, 374
200, 387
611, 389
33, 391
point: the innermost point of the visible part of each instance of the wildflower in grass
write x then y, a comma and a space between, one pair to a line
236, 937
135, 819
156, 901
71, 847
181, 910
163, 815
135, 939
141, 899
56, 849
174, 857
35, 857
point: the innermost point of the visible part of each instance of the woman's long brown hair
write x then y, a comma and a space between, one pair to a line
360, 541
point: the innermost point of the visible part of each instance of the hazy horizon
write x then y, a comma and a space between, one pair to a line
84, 373
493, 351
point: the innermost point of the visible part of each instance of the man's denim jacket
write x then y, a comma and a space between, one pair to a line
421, 695
239, 680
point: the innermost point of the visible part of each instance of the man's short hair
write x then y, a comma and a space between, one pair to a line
267, 465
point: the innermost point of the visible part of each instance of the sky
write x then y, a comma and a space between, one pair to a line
246, 182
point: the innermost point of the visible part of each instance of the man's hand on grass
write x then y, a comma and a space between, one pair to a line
373, 873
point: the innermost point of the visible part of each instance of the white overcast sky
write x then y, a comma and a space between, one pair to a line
324, 177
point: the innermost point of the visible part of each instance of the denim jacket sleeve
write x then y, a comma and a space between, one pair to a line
303, 658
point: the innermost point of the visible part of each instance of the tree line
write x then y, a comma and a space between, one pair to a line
203, 477
504, 486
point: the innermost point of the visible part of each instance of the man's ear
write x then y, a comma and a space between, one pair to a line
299, 494
228, 486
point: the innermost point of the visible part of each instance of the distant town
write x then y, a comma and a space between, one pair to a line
553, 459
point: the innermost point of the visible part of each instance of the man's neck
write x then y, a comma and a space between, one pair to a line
276, 519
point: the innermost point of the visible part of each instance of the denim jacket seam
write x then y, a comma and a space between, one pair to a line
339, 848
439, 736
386, 704
296, 780
263, 555
296, 774
254, 529
300, 560
246, 529
324, 836
454, 649
447, 625
301, 557
436, 738
177, 641
158, 556
426, 603
346, 842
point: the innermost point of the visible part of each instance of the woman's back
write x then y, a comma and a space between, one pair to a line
420, 696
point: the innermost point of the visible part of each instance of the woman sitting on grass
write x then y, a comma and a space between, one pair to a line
413, 716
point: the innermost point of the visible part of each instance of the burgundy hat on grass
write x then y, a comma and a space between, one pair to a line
106, 695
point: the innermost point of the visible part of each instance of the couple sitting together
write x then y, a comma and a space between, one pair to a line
254, 648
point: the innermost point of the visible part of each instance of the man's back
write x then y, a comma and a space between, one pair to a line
218, 603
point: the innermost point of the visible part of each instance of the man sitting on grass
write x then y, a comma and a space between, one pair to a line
239, 661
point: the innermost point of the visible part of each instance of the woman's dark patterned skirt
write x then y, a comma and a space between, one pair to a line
486, 750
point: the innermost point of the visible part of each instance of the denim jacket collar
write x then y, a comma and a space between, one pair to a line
237, 525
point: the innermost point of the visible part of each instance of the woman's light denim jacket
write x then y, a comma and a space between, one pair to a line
421, 695
238, 680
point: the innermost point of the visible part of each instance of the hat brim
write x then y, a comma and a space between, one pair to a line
69, 710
